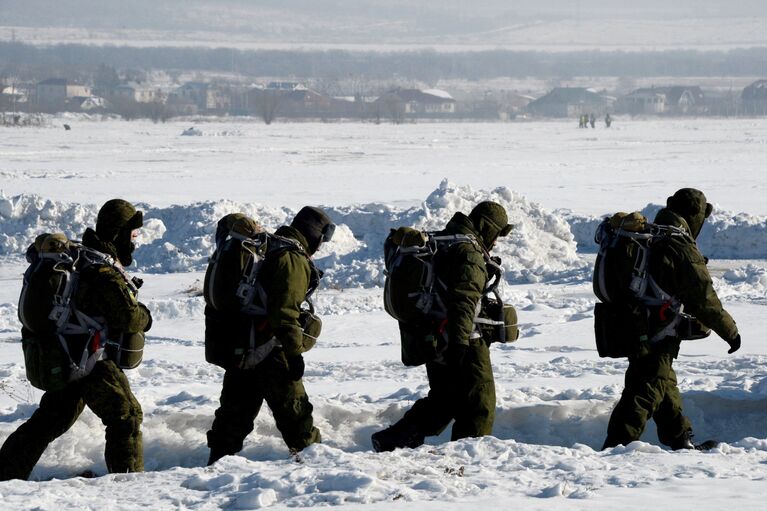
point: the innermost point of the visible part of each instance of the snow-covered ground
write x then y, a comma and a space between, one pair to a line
554, 393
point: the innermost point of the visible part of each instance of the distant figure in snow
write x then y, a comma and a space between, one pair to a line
608, 120
67, 127
592, 120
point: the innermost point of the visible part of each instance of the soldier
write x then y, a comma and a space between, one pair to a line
277, 379
651, 387
102, 292
461, 385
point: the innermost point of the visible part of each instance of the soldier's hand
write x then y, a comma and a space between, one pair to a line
734, 344
148, 317
296, 367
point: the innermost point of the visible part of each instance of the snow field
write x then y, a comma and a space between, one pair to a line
554, 395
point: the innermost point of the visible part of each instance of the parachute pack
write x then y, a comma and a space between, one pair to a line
412, 294
629, 295
61, 343
232, 287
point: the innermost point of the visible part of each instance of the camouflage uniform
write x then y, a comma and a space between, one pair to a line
461, 385
277, 379
106, 391
651, 386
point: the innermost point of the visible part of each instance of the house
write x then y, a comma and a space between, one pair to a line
138, 93
570, 102
195, 93
677, 100
204, 96
13, 94
296, 101
52, 91
399, 103
754, 98
56, 91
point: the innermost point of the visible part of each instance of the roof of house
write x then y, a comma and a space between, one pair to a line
54, 81
672, 93
755, 91
419, 96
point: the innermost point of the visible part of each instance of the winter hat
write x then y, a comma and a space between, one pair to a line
117, 215
314, 224
491, 221
691, 205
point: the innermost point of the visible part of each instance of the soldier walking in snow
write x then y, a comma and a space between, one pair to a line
104, 292
679, 271
461, 384
269, 366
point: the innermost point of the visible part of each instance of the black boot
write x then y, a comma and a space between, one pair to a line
684, 441
397, 436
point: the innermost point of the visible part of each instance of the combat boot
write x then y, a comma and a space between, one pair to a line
684, 441
399, 435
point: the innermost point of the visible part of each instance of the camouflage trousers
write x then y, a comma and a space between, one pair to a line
465, 394
650, 392
242, 396
107, 393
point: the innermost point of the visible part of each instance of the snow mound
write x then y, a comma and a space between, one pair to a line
725, 235
180, 238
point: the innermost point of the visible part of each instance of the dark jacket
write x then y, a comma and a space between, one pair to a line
286, 278
680, 269
103, 292
462, 269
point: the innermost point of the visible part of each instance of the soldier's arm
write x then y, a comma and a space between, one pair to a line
465, 287
696, 290
288, 283
116, 303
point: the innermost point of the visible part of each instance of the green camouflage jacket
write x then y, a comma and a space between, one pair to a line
462, 269
103, 292
286, 278
680, 269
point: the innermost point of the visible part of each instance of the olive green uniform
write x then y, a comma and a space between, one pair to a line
106, 391
462, 390
286, 281
651, 386
465, 393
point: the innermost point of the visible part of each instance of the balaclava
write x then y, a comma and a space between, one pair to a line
314, 224
691, 205
115, 221
490, 221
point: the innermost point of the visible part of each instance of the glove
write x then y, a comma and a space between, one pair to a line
734, 344
455, 354
296, 367
148, 317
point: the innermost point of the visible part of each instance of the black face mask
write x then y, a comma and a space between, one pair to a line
125, 247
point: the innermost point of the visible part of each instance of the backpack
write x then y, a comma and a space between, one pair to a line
232, 289
412, 294
630, 298
61, 343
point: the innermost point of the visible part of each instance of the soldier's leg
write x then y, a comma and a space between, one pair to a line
291, 408
476, 410
240, 402
107, 392
432, 414
23, 448
671, 422
642, 394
